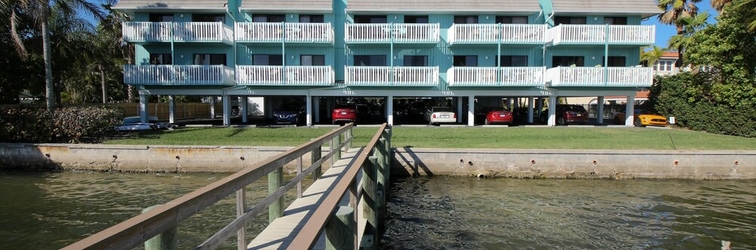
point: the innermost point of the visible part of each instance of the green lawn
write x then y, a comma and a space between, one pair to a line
459, 137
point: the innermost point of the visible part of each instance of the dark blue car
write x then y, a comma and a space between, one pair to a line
289, 114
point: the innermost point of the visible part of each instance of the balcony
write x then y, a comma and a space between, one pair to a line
284, 32
597, 34
496, 77
148, 32
284, 76
397, 33
172, 75
497, 33
594, 77
391, 76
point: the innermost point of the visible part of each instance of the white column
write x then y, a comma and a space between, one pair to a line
471, 111
212, 107
552, 110
630, 110
243, 108
171, 109
316, 108
390, 110
459, 109
600, 110
226, 110
530, 109
308, 108
143, 112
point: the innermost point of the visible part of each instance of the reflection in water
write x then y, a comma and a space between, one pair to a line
464, 213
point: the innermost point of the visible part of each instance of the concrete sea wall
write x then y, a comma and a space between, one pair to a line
512, 163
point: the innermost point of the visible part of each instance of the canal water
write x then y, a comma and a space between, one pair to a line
52, 210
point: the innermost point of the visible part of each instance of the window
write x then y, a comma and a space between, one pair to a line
664, 65
567, 61
512, 19
370, 19
465, 19
369, 60
209, 59
273, 18
415, 19
208, 17
569, 20
161, 59
161, 17
615, 61
272, 60
311, 19
465, 61
615, 20
514, 61
415, 60
312, 60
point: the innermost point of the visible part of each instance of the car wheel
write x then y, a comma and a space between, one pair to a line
561, 121
486, 122
638, 123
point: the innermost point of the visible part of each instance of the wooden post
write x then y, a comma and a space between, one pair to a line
335, 146
167, 240
380, 201
389, 154
369, 199
299, 171
347, 136
241, 235
340, 229
315, 156
275, 179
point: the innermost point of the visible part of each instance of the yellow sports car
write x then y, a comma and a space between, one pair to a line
643, 118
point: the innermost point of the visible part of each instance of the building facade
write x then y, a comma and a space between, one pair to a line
463, 54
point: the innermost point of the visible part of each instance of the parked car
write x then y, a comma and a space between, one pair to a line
642, 118
134, 123
438, 114
494, 115
344, 113
567, 113
289, 113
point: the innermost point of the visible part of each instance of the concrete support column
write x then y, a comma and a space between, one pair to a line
630, 110
143, 112
459, 109
226, 110
316, 109
243, 103
308, 108
470, 111
171, 109
390, 110
552, 110
212, 107
530, 109
600, 110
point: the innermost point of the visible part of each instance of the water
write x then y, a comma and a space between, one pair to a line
52, 210
468, 213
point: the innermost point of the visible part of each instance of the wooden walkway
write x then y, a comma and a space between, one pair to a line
283, 230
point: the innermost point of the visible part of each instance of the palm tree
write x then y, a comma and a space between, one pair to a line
719, 4
40, 10
652, 55
673, 12
692, 25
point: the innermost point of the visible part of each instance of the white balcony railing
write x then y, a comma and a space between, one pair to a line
284, 32
597, 34
391, 76
178, 75
427, 33
497, 33
285, 76
178, 32
600, 77
493, 76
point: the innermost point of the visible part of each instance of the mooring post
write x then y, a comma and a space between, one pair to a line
314, 157
340, 229
389, 154
167, 240
275, 179
369, 169
380, 155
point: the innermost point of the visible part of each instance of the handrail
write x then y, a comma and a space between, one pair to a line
311, 230
138, 229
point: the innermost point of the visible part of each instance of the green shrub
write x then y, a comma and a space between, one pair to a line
70, 125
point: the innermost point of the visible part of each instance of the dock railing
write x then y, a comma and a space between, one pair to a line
166, 217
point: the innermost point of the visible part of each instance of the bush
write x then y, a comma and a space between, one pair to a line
71, 125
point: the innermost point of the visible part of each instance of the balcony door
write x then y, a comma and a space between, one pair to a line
267, 59
512, 19
209, 59
465, 61
513, 61
268, 18
209, 18
465, 19
416, 61
568, 61
615, 20
369, 60
569, 20
311, 19
161, 59
415, 19
161, 17
615, 61
370, 19
312, 60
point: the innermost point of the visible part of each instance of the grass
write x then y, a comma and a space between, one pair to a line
459, 137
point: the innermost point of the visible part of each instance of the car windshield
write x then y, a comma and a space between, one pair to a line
289, 107
575, 108
441, 109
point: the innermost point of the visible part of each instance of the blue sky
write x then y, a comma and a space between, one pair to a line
664, 32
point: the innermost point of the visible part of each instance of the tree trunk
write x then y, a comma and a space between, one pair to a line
46, 50
679, 62
104, 86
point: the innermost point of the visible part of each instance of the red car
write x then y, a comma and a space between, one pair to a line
496, 115
567, 113
344, 113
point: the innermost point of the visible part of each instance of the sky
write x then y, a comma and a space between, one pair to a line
664, 31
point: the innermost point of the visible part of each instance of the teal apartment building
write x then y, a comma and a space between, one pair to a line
468, 53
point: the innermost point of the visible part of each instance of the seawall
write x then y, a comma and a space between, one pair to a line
512, 163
